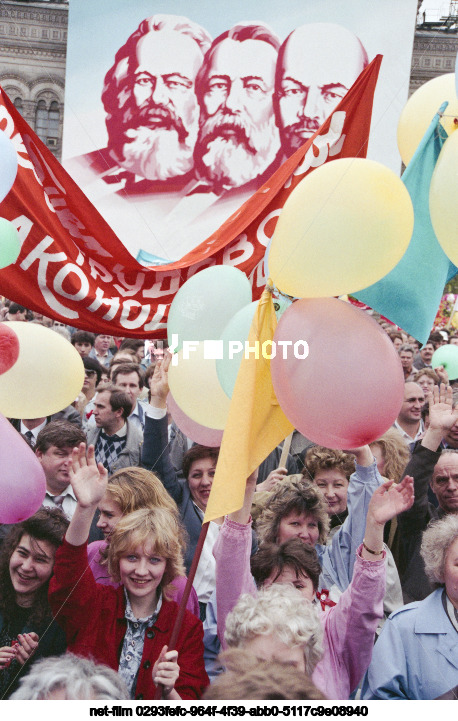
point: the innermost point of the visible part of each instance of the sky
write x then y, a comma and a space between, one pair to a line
435, 9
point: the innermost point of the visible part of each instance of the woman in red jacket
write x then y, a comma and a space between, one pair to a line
127, 628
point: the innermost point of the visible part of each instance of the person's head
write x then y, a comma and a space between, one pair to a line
317, 65
122, 356
391, 453
414, 400
92, 374
70, 677
451, 436
293, 562
199, 465
439, 550
83, 342
406, 353
129, 490
102, 343
437, 339
112, 407
330, 470
246, 678
453, 340
149, 97
146, 552
427, 352
129, 377
295, 509
277, 625
396, 338
238, 138
426, 378
16, 312
136, 345
27, 561
444, 481
53, 449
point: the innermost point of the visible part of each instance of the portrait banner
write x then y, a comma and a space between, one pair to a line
74, 268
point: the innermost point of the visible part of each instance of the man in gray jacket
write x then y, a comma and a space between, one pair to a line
117, 442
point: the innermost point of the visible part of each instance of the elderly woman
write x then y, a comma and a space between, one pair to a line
348, 626
416, 656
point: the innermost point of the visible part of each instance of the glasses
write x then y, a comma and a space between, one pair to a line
90, 374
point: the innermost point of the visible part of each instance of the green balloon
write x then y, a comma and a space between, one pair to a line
447, 356
205, 303
10, 245
234, 336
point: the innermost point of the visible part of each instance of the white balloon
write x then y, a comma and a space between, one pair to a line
8, 164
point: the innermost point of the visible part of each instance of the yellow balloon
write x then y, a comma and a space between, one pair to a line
421, 108
345, 226
443, 198
47, 376
195, 387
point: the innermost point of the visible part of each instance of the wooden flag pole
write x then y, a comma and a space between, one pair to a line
182, 608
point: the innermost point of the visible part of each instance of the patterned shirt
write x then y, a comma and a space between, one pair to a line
132, 648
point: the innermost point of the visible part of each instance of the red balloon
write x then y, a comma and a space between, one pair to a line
9, 348
349, 389
210, 437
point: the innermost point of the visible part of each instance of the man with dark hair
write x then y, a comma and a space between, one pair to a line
423, 359
16, 312
129, 377
117, 442
406, 354
137, 345
101, 350
83, 342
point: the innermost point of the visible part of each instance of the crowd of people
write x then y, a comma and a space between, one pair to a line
337, 579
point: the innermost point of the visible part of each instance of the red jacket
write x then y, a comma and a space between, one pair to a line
93, 618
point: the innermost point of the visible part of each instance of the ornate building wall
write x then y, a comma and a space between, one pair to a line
33, 41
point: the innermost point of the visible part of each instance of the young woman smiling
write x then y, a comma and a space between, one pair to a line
129, 627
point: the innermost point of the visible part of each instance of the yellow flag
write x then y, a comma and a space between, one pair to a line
256, 424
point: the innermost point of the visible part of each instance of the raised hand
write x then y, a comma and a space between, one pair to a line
87, 478
272, 479
159, 382
166, 670
390, 499
441, 414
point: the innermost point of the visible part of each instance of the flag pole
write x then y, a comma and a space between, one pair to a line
182, 607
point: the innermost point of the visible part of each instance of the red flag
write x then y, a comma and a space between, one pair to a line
72, 266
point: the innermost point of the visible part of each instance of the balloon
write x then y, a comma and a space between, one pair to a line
8, 164
447, 356
420, 110
22, 479
10, 244
349, 389
344, 227
206, 302
236, 332
195, 387
47, 376
210, 437
443, 194
9, 347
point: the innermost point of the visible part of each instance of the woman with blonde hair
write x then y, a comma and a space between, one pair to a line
129, 627
391, 453
129, 490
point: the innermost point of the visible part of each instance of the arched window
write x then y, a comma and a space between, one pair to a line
47, 122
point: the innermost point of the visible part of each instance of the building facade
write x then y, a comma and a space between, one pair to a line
33, 42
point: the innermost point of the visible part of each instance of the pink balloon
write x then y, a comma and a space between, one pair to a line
349, 389
22, 479
9, 347
210, 437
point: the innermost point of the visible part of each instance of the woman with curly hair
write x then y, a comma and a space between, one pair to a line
129, 490
416, 656
26, 566
129, 627
348, 627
